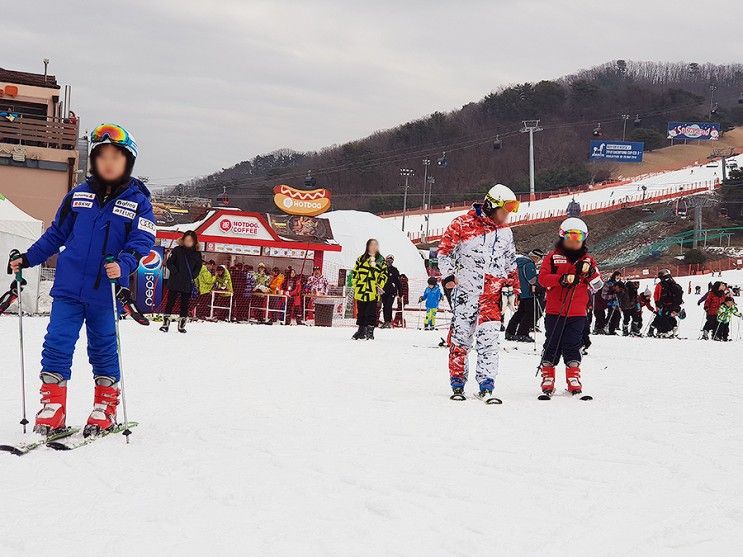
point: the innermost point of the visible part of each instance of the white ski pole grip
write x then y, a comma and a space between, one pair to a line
127, 432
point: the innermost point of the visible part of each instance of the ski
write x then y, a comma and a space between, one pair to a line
79, 441
488, 398
458, 395
25, 448
579, 396
545, 396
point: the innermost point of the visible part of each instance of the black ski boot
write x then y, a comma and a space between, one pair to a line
166, 324
359, 334
369, 332
458, 394
524, 338
510, 336
182, 324
488, 398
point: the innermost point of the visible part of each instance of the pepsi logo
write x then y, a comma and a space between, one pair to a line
225, 224
152, 261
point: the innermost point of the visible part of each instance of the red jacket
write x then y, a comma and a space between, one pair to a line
293, 289
713, 302
554, 266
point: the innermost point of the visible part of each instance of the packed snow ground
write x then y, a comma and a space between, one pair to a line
259, 440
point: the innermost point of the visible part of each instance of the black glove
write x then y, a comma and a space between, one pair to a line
124, 297
15, 254
567, 280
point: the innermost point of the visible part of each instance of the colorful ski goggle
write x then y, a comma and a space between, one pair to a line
578, 235
511, 206
114, 134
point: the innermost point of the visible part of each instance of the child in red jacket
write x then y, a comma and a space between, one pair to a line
570, 276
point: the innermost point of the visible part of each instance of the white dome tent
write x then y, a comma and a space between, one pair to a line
351, 229
19, 230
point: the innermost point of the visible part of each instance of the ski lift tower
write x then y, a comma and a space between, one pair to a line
699, 202
531, 126
723, 155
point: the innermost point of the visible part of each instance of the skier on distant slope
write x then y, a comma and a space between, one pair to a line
109, 213
570, 276
477, 258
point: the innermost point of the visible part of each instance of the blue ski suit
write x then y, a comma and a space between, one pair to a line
123, 227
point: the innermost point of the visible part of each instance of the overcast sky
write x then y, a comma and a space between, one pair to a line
206, 84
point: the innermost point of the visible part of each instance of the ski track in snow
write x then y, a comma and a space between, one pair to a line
257, 440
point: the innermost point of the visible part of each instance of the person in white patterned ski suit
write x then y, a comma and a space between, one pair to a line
478, 255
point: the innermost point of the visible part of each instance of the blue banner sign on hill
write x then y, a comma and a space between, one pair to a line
617, 151
706, 131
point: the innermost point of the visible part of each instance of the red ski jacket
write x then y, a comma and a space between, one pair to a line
571, 301
713, 302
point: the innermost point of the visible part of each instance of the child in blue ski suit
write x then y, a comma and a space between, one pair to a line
108, 214
432, 295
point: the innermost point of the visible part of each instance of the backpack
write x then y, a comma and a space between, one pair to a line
673, 294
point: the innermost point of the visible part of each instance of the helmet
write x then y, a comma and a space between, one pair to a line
500, 196
664, 273
573, 228
115, 135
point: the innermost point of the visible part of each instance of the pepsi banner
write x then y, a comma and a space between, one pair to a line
617, 151
706, 131
150, 280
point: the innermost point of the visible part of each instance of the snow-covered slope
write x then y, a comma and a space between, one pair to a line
685, 178
294, 441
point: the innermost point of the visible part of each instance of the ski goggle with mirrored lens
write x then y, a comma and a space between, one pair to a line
578, 235
511, 206
114, 134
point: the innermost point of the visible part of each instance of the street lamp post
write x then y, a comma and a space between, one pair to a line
406, 173
531, 126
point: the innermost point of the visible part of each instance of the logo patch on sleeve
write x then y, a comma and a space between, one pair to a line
124, 213
83, 195
147, 226
131, 205
82, 204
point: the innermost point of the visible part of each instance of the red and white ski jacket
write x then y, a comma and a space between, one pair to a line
569, 301
475, 247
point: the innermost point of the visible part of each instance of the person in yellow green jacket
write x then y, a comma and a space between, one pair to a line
205, 278
223, 281
369, 278
724, 315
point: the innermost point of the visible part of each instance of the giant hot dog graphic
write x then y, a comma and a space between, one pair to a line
301, 202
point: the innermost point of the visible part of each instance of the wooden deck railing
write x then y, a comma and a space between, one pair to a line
56, 133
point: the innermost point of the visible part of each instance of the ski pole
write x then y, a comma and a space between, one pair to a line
14, 256
569, 300
534, 316
127, 432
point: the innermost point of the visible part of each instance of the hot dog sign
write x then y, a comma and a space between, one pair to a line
308, 203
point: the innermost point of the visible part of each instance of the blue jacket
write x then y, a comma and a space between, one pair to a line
527, 276
432, 295
124, 227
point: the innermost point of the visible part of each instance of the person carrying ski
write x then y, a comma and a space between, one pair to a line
570, 275
713, 299
432, 296
724, 315
522, 322
108, 214
477, 258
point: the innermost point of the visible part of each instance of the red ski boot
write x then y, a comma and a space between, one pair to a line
51, 417
105, 401
548, 378
572, 374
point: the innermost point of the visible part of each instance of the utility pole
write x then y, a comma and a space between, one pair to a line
406, 173
531, 126
431, 182
711, 100
426, 163
625, 117
697, 224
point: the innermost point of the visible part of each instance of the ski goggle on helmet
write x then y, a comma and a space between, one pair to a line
501, 196
574, 229
115, 135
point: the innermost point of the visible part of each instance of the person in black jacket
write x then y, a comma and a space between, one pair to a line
391, 291
184, 265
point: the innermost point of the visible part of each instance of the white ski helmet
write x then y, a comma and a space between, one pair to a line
500, 196
574, 225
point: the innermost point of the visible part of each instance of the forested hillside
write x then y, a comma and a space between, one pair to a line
482, 142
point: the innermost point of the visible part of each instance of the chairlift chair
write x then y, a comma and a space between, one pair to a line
223, 199
637, 121
597, 131
442, 160
497, 144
